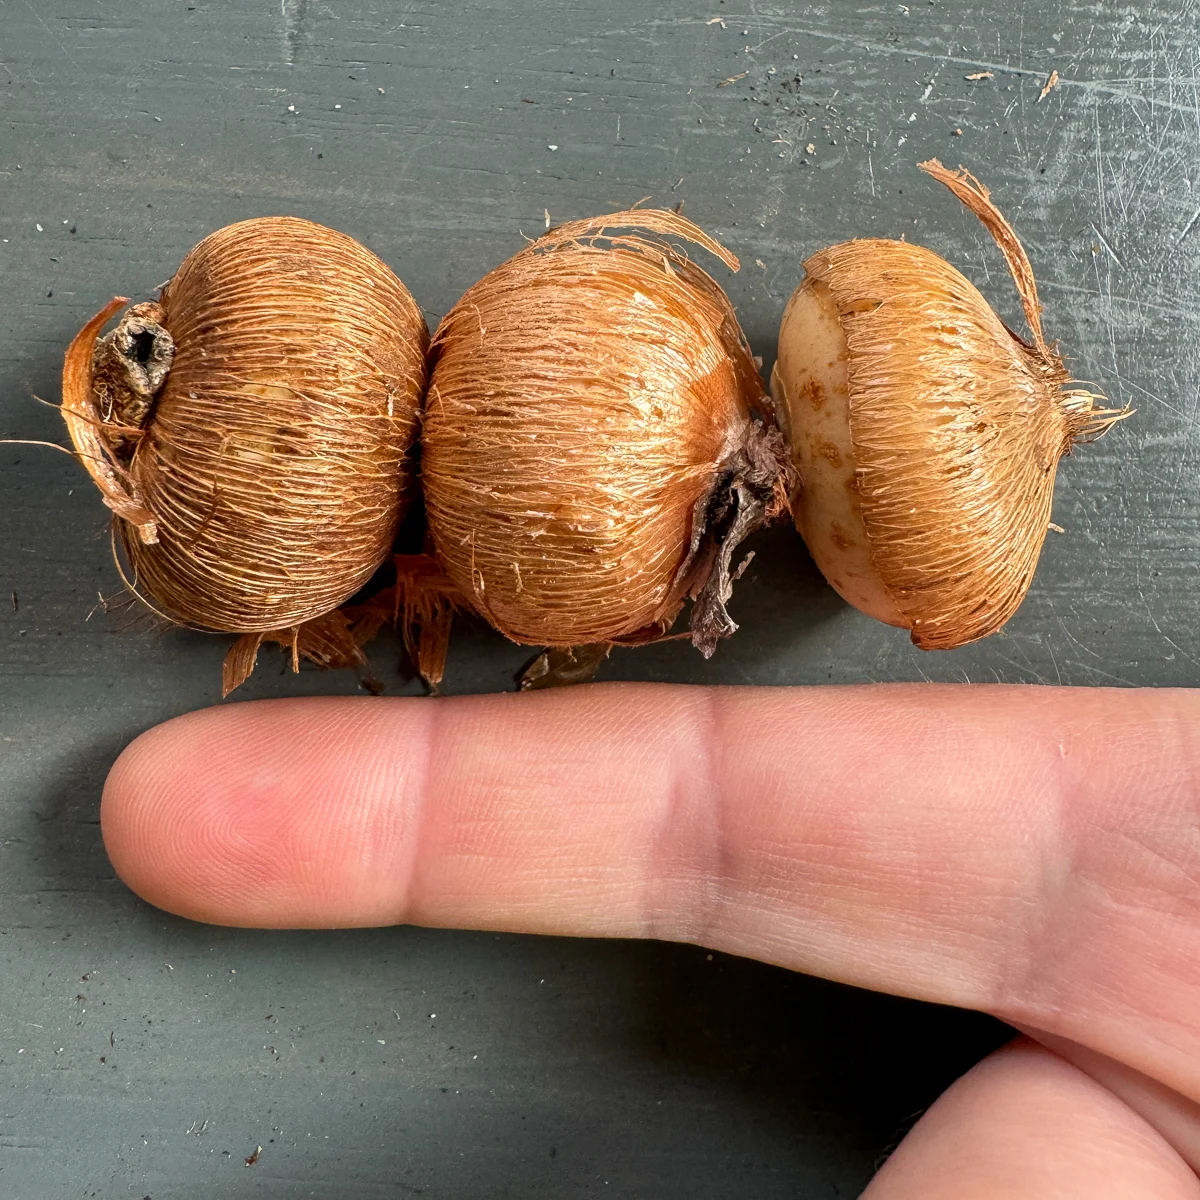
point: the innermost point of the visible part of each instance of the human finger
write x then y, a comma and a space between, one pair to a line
1029, 852
1026, 1125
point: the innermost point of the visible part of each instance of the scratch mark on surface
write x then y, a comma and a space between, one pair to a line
295, 15
1104, 242
49, 33
1101, 87
1188, 227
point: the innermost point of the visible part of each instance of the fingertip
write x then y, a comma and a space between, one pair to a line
141, 800
217, 815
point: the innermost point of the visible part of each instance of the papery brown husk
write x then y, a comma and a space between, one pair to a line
271, 470
590, 403
955, 483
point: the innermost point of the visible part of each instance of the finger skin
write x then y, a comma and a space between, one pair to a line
1029, 852
1175, 1117
1025, 1125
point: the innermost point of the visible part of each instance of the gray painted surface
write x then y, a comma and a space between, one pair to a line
128, 130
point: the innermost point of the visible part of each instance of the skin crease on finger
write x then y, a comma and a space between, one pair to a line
1033, 853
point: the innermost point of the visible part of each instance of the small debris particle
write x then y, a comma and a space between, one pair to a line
546, 211
17, 608
981, 75
381, 91
723, 83
291, 108
38, 227
956, 133
1051, 84
758, 262
551, 146
717, 21
337, 106
810, 149
1056, 528
251, 1159
525, 101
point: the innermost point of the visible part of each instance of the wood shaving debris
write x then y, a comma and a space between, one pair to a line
547, 212
732, 79
956, 133
810, 149
716, 21
981, 75
1056, 528
251, 1159
759, 263
1051, 84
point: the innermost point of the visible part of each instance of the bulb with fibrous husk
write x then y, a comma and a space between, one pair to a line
925, 433
251, 430
596, 441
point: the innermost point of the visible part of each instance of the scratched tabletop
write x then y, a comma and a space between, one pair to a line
144, 1056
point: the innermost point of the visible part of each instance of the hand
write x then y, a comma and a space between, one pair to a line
1033, 853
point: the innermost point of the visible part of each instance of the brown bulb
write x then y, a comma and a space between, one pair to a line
593, 444
252, 431
925, 433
